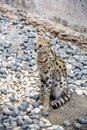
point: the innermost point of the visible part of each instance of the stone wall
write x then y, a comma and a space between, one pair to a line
71, 13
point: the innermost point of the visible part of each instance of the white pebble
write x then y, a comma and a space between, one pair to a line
79, 92
37, 110
85, 92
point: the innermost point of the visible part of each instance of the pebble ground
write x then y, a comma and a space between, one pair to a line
19, 78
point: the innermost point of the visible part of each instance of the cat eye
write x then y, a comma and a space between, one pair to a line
40, 46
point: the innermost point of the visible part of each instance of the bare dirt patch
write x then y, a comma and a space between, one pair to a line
76, 107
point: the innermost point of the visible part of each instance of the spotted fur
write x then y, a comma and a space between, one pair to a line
52, 71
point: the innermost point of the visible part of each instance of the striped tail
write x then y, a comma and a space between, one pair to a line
61, 101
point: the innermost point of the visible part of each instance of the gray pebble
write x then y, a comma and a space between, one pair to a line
13, 124
12, 98
66, 123
20, 122
15, 112
1, 126
77, 126
28, 121
15, 21
84, 71
14, 68
34, 116
81, 120
6, 111
18, 75
5, 117
9, 128
3, 91
23, 106
83, 84
68, 51
35, 97
35, 121
28, 129
24, 126
71, 86
35, 104
31, 63
6, 124
45, 113
1, 115
3, 71
58, 129
1, 48
42, 125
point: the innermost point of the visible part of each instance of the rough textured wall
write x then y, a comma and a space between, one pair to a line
68, 12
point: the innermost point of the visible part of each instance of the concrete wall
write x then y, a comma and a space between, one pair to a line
69, 12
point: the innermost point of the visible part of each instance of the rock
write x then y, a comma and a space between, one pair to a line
1, 115
13, 68
6, 111
1, 126
15, 112
23, 106
24, 126
71, 75
35, 97
3, 71
9, 128
68, 51
58, 129
50, 128
83, 84
71, 86
18, 75
28, 129
71, 81
61, 45
84, 71
28, 121
77, 126
78, 65
6, 45
37, 110
31, 63
3, 91
34, 116
12, 98
35, 104
13, 124
20, 122
79, 92
54, 42
81, 120
85, 92
45, 113
48, 124
15, 21
5, 117
1, 48
66, 123
35, 121
6, 124
34, 127
42, 125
